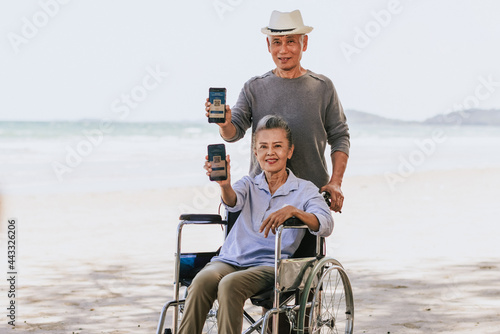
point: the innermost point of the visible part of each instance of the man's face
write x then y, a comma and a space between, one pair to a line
287, 50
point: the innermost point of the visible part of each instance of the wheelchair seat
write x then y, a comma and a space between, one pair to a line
192, 263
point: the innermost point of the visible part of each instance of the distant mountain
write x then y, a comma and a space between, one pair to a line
467, 117
360, 117
463, 117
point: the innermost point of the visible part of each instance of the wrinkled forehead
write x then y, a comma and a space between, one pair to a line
285, 37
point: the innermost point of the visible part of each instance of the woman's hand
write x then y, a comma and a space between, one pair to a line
276, 219
208, 168
227, 192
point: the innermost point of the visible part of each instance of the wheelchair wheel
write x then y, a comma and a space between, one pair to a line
332, 307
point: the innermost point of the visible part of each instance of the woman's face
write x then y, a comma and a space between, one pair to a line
272, 149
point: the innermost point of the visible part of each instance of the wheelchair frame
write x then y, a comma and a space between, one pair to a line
306, 277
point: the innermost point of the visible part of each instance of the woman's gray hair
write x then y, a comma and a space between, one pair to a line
273, 122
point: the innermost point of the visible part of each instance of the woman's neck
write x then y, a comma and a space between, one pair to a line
276, 180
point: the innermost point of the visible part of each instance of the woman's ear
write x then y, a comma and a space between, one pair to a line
290, 152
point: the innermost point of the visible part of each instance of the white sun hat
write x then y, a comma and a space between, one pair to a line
286, 23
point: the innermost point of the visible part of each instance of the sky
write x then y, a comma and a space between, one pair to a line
154, 60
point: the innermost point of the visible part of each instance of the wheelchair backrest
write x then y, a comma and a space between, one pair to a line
307, 247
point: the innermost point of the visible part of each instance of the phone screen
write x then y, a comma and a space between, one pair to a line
217, 98
217, 156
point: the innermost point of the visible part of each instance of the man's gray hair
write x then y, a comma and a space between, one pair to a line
273, 122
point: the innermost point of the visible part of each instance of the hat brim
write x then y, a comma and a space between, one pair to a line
297, 31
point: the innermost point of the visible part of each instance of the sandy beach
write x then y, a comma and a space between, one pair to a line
422, 257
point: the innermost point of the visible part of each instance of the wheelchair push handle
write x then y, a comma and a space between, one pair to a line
328, 198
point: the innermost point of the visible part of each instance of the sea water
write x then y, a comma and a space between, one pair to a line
87, 156
38, 157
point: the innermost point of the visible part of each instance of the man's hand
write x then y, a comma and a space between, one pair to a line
339, 164
227, 123
227, 129
336, 195
276, 218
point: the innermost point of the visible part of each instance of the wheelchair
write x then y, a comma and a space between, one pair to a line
311, 291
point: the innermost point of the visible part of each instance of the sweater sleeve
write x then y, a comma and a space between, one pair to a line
336, 123
241, 115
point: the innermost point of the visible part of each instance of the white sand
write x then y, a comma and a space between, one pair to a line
423, 258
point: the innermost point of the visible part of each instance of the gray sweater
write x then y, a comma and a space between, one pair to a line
313, 111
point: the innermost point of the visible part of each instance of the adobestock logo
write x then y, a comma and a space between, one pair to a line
483, 91
30, 27
223, 6
204, 196
121, 106
408, 165
372, 29
425, 148
131, 100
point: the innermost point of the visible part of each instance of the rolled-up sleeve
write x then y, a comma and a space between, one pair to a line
240, 187
318, 207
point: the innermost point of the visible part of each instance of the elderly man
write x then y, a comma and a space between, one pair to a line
306, 100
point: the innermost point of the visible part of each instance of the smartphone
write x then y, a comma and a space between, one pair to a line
217, 98
217, 156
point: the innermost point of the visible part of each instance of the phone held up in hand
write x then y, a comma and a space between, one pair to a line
217, 99
217, 157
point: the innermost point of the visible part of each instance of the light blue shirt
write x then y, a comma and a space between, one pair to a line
245, 246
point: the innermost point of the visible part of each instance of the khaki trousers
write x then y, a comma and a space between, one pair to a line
232, 286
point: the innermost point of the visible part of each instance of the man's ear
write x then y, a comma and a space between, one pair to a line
304, 43
268, 44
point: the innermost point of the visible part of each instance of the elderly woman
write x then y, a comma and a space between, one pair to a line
245, 265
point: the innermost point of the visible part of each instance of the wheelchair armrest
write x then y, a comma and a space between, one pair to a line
294, 222
202, 218
310, 245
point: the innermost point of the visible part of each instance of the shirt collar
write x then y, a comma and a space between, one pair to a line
290, 185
